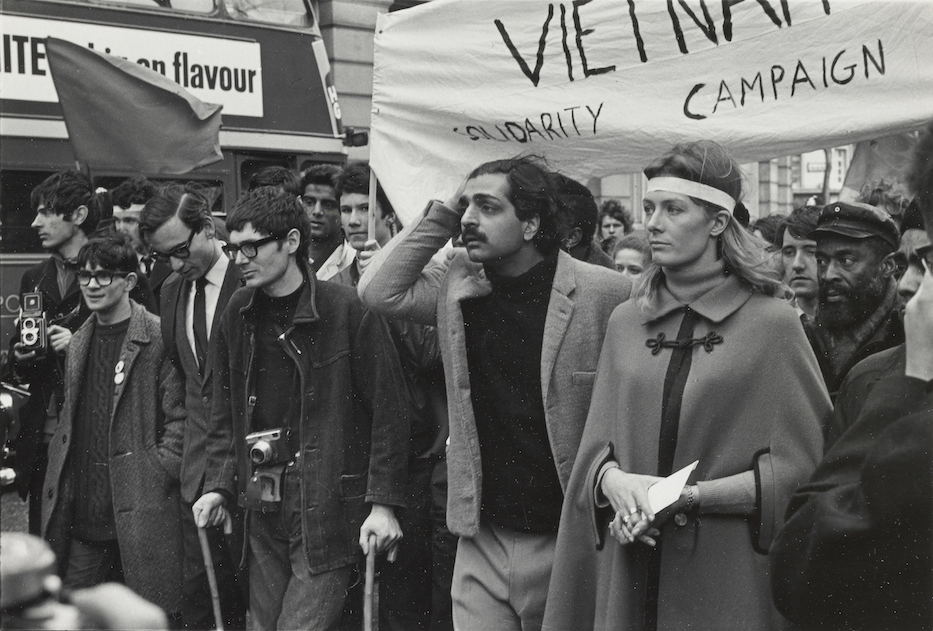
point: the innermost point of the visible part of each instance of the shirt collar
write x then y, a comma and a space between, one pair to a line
216, 274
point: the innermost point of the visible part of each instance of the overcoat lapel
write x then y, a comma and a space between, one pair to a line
231, 284
136, 336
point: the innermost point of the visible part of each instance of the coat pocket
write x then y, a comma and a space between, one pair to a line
584, 378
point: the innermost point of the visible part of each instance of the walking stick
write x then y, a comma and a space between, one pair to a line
371, 588
211, 578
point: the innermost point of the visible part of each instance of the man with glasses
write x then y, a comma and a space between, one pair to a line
112, 510
330, 253
310, 392
67, 212
177, 224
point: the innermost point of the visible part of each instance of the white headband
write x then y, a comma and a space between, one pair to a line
691, 189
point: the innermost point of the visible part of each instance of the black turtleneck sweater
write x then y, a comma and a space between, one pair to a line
504, 335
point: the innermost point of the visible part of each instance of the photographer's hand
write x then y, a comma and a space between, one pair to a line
20, 357
382, 523
59, 338
210, 510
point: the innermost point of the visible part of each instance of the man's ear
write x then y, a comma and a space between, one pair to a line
208, 227
390, 221
79, 216
889, 265
573, 239
131, 279
293, 240
531, 227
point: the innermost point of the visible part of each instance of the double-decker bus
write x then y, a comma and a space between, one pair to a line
263, 60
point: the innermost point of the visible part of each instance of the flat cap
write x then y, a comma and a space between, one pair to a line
856, 221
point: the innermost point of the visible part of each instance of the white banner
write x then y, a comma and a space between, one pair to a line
601, 87
216, 70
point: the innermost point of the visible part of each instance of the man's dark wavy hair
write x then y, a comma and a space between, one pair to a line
532, 191
64, 192
272, 212
113, 253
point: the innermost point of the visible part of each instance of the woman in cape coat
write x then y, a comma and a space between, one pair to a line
707, 363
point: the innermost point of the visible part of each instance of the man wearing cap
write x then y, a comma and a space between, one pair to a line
857, 312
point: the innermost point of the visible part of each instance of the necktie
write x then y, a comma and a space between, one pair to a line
200, 323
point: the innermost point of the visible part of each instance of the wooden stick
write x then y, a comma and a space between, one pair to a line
372, 205
370, 589
211, 578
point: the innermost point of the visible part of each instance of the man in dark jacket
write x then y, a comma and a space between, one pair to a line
310, 395
857, 549
857, 314
193, 299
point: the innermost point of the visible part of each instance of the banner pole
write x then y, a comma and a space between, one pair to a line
372, 205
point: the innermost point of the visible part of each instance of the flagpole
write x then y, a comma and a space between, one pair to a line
372, 205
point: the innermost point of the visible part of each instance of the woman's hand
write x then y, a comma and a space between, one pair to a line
628, 495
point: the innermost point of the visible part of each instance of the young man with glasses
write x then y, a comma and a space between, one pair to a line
177, 225
329, 251
112, 510
67, 212
304, 364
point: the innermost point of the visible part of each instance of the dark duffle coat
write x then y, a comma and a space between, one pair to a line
755, 401
146, 426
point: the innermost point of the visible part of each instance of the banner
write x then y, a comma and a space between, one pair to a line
601, 87
120, 114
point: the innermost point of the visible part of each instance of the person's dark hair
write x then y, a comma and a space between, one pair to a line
275, 213
188, 201
532, 192
885, 195
920, 175
769, 226
64, 192
577, 207
276, 176
320, 175
135, 190
913, 218
800, 223
113, 252
744, 254
354, 178
613, 208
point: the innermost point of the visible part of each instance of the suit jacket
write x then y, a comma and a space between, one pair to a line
174, 300
145, 452
401, 283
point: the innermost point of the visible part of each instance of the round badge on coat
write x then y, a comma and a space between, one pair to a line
119, 366
118, 378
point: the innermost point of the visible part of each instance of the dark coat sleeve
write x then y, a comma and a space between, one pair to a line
378, 381
855, 552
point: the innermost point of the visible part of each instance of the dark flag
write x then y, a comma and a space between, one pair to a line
120, 114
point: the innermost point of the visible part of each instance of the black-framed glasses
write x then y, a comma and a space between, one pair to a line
104, 277
250, 248
182, 251
925, 253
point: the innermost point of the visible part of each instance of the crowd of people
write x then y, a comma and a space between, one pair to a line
228, 414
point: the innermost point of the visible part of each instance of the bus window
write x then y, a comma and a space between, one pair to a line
16, 211
286, 12
194, 6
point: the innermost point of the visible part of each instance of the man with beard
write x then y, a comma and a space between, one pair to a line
857, 313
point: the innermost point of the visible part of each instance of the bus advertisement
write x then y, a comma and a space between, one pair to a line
263, 60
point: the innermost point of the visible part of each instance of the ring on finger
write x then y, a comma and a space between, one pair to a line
634, 511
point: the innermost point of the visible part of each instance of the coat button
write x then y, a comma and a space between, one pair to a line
205, 400
64, 439
680, 519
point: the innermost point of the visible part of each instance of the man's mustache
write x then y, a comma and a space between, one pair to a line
472, 233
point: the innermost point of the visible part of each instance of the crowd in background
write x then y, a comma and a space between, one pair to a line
305, 380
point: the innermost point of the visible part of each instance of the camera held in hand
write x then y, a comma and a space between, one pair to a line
268, 451
33, 325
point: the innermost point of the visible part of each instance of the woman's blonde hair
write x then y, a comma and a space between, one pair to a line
744, 254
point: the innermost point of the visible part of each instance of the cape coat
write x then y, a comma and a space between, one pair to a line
755, 401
